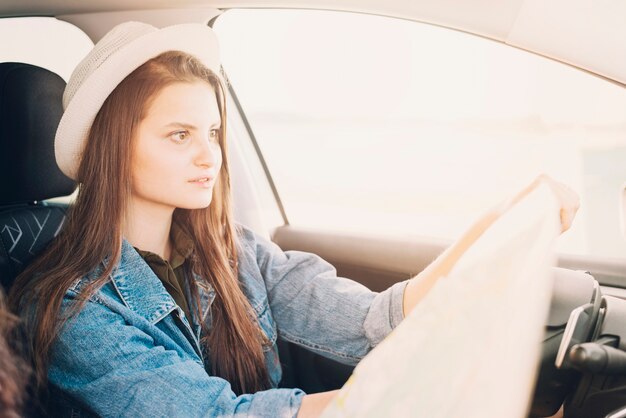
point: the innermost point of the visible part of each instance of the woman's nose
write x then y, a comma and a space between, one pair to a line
207, 153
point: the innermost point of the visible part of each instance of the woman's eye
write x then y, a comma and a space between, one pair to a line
180, 136
214, 135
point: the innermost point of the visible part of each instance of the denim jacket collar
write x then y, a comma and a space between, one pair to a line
143, 292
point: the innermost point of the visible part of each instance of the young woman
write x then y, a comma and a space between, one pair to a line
152, 301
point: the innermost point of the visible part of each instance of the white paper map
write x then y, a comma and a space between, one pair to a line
471, 347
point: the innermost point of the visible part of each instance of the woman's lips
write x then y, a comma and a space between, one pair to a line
204, 182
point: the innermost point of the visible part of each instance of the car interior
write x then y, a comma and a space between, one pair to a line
584, 351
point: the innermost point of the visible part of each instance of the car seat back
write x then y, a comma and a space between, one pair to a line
30, 110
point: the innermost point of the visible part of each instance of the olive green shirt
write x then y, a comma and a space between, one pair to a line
172, 273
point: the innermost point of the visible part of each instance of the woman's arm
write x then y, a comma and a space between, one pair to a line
312, 307
421, 284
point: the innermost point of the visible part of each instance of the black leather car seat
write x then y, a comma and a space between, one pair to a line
30, 110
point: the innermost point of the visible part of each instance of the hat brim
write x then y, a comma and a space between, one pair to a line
194, 39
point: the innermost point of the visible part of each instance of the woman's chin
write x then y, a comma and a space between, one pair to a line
196, 204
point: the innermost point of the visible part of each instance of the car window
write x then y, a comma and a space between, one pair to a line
378, 124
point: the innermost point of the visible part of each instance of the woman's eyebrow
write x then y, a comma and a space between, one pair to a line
190, 126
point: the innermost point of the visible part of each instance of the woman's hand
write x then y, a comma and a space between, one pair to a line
313, 405
568, 199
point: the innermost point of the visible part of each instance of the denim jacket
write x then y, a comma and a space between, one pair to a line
132, 352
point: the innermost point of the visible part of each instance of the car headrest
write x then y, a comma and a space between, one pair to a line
30, 110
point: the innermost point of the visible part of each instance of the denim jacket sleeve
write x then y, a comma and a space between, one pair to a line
313, 307
107, 362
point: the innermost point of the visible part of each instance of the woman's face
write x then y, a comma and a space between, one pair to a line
177, 155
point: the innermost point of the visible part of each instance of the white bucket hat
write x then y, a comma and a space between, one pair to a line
125, 48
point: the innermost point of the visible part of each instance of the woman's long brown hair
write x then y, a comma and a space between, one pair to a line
93, 231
